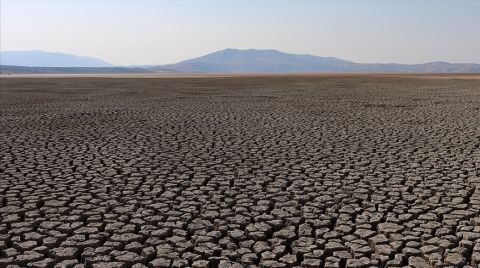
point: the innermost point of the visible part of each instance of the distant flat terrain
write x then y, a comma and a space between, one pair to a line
6, 70
236, 171
238, 75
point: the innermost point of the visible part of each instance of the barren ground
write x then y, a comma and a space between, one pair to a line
357, 171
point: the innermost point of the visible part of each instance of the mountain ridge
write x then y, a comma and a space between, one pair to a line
270, 60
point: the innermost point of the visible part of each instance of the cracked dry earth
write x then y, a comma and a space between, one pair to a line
240, 172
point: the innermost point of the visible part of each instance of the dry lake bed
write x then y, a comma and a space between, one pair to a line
242, 171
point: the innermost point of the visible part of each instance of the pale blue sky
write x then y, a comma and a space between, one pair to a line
127, 32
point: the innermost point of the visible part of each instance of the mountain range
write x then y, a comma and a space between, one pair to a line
223, 61
38, 58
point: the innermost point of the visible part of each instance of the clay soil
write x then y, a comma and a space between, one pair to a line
242, 171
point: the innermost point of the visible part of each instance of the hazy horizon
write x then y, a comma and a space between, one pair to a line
161, 32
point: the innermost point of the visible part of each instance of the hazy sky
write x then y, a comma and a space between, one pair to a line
156, 32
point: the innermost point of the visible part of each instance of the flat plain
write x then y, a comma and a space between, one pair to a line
254, 171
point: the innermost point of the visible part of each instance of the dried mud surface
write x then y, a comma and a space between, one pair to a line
240, 172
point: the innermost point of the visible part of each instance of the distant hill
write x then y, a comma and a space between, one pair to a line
37, 58
273, 61
253, 60
6, 69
